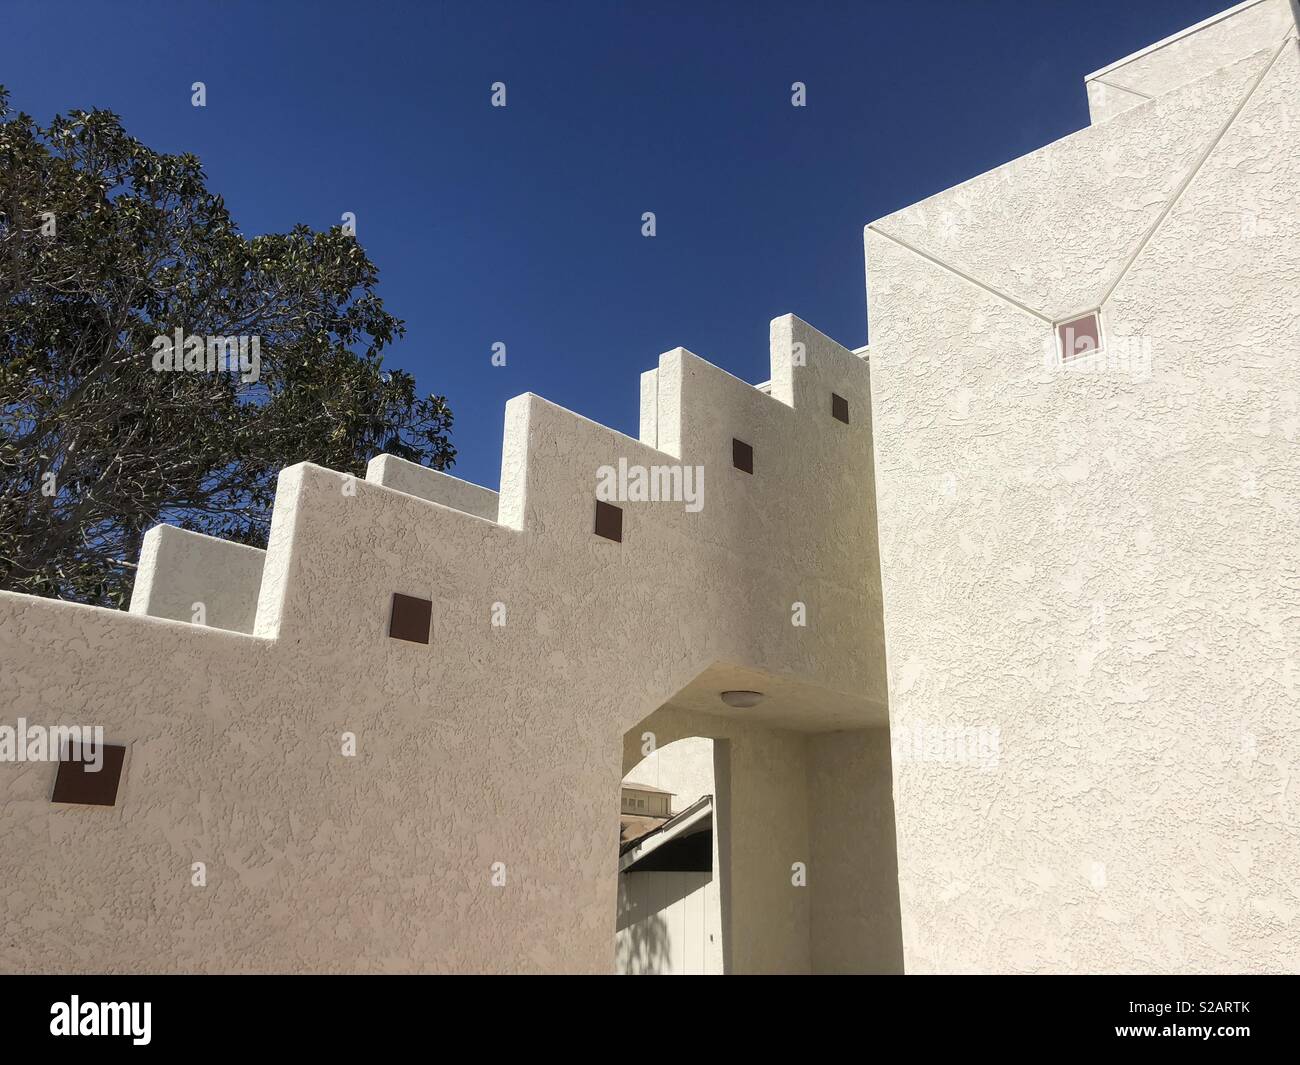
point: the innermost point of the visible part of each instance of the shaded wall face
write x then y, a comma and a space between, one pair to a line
855, 921
1091, 604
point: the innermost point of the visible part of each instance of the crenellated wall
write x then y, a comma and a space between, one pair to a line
1090, 606
186, 576
492, 743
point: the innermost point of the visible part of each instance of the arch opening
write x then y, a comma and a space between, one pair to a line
757, 839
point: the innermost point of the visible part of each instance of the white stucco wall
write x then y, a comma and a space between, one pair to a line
433, 485
683, 767
1090, 600
489, 745
181, 571
1189, 55
1097, 564
853, 874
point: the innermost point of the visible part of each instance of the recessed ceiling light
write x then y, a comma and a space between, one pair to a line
742, 700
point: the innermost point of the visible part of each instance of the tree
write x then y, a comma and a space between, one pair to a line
106, 246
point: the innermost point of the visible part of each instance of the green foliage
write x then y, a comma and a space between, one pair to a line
98, 446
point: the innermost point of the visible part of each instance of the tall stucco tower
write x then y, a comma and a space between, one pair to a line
1095, 549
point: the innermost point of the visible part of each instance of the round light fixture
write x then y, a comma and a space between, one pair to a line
742, 700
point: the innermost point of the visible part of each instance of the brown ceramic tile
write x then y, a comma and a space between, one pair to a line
742, 456
75, 783
410, 619
1079, 336
839, 408
609, 521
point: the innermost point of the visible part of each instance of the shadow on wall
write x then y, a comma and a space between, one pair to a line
856, 922
644, 950
672, 907
665, 926
668, 923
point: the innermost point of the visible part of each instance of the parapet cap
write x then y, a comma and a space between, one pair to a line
1189, 55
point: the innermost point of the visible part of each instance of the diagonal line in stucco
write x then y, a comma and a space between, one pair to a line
960, 273
1093, 296
1195, 169
1121, 88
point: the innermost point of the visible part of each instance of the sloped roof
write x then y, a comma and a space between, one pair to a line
631, 827
668, 829
629, 786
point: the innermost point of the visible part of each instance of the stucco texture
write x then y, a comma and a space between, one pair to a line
1187, 56
1097, 562
491, 744
181, 573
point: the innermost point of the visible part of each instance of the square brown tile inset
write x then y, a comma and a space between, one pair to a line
742, 456
839, 408
609, 521
75, 783
410, 619
1079, 336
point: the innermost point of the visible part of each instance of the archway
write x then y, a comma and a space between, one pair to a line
803, 859
673, 846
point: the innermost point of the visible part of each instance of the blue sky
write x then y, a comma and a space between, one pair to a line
523, 224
